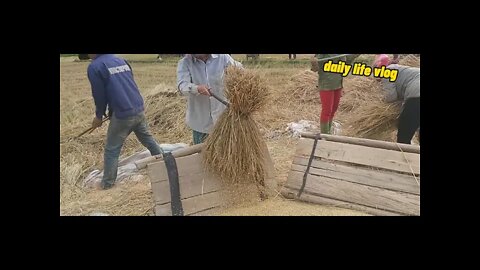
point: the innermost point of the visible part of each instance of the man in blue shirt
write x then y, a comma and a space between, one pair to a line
113, 85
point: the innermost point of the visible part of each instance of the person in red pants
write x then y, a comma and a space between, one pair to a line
330, 86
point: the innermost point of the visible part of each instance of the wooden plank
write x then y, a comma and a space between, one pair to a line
394, 201
141, 164
192, 205
188, 165
270, 180
365, 176
290, 193
368, 156
366, 142
207, 213
190, 185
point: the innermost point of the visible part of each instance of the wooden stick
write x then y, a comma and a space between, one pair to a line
81, 134
141, 164
91, 129
333, 57
219, 99
366, 142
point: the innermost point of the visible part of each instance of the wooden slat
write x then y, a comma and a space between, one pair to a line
137, 156
270, 181
381, 179
141, 164
193, 181
190, 186
358, 194
290, 193
363, 155
366, 142
192, 205
188, 165
208, 212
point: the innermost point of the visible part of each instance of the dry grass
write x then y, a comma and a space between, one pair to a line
410, 60
375, 120
165, 109
233, 151
303, 86
130, 198
359, 91
365, 113
71, 169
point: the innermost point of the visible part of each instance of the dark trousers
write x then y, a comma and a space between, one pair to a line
409, 121
199, 137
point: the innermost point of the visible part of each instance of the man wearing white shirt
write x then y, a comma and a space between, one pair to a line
197, 74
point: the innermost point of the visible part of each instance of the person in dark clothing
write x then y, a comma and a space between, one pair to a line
407, 89
113, 85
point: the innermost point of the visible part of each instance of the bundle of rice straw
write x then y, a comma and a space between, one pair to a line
374, 120
304, 86
368, 115
233, 151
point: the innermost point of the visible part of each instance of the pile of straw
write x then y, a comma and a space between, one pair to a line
358, 92
410, 60
368, 116
374, 120
303, 86
234, 150
164, 112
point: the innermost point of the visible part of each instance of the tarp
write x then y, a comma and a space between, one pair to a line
127, 167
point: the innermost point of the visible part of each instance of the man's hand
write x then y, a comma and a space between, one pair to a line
96, 123
203, 90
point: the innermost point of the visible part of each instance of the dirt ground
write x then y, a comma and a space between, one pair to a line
80, 157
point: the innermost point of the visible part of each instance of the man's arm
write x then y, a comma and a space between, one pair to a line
98, 92
131, 70
184, 79
229, 61
390, 91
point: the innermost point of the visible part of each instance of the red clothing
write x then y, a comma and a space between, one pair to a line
330, 101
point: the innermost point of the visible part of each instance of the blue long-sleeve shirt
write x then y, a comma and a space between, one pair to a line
112, 84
